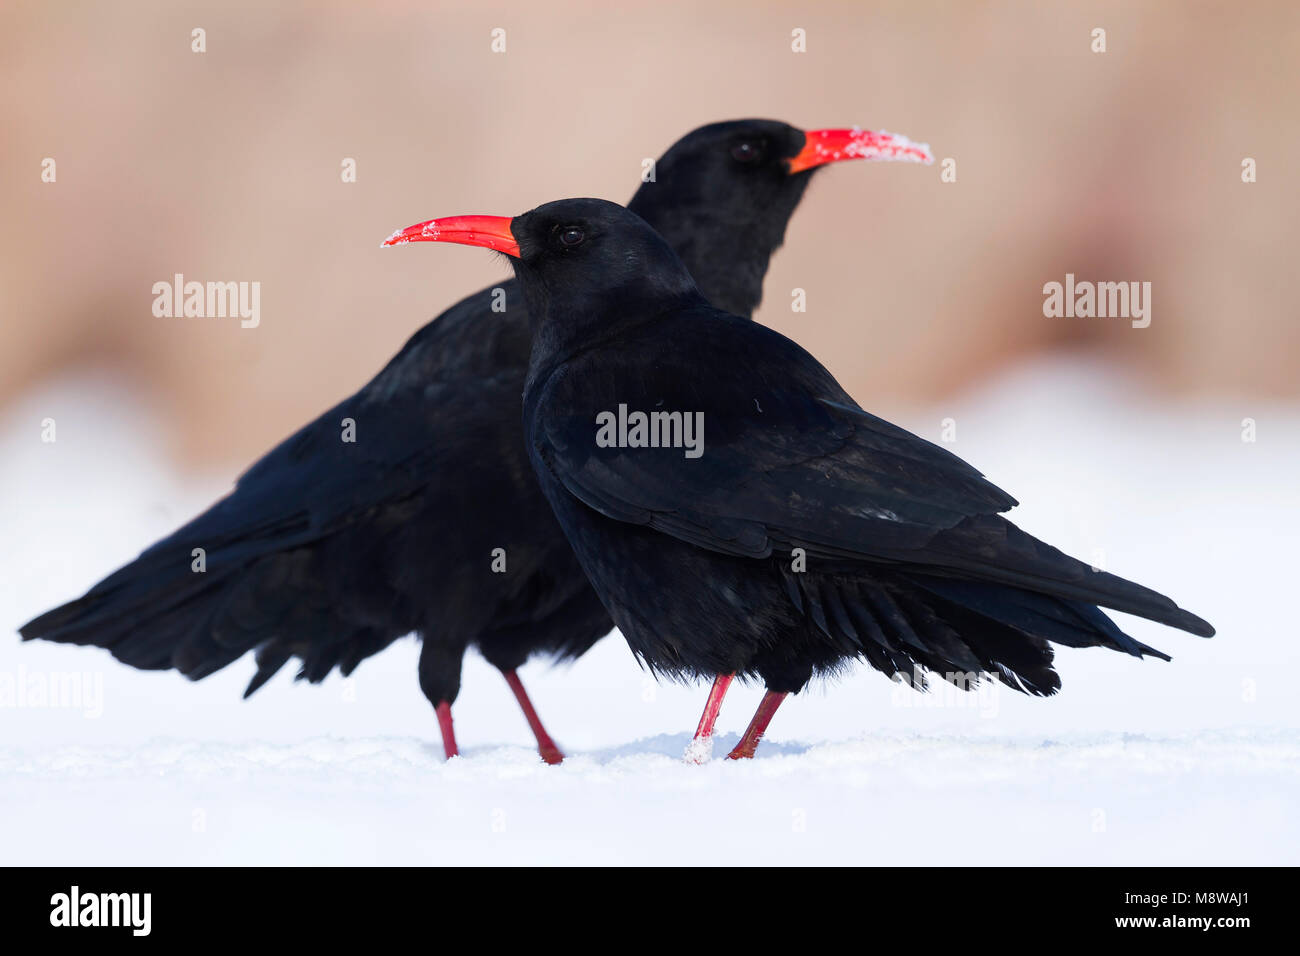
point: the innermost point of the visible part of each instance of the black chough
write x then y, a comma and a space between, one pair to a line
738, 513
328, 551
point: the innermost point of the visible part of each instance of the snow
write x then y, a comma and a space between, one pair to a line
1191, 762
880, 798
699, 750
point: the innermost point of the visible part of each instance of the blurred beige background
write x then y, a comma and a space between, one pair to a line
225, 165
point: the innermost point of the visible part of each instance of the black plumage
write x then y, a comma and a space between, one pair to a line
807, 532
328, 550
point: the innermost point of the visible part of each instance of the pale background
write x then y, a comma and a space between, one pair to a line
225, 166
925, 298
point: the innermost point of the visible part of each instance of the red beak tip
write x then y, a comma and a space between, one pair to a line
926, 157
833, 145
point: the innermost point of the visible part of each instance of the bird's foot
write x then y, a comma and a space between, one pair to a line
754, 732
449, 747
550, 753
743, 751
699, 750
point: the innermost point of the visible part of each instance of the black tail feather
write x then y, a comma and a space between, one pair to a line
990, 549
906, 624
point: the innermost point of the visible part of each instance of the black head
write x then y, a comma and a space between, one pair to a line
585, 265
594, 242
588, 265
736, 173
723, 194
720, 198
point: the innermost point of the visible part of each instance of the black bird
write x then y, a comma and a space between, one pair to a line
738, 513
330, 550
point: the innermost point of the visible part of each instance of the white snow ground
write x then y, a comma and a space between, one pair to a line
1194, 761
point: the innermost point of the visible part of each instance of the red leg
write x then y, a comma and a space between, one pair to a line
701, 746
545, 745
444, 724
754, 732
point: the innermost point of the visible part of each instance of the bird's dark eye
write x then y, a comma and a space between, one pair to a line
571, 236
745, 152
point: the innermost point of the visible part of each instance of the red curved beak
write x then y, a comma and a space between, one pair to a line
491, 232
823, 146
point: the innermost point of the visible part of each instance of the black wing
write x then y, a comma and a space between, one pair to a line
789, 460
266, 542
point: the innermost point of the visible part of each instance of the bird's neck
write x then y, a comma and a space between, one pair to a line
728, 260
563, 327
729, 266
